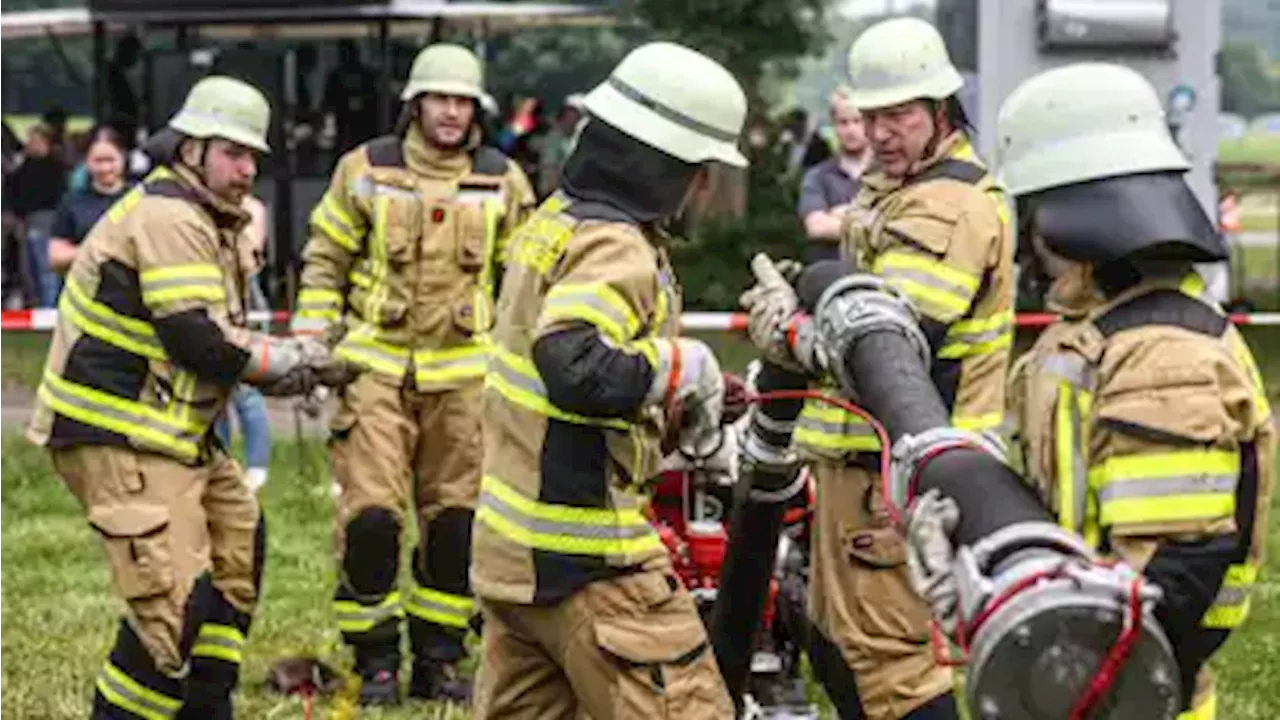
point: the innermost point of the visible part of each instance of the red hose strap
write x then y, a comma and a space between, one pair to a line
1110, 668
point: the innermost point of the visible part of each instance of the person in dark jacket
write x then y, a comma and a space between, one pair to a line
80, 208
32, 194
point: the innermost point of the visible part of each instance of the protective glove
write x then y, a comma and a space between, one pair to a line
785, 336
689, 386
930, 522
301, 380
275, 357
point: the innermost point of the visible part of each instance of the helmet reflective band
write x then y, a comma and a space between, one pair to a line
675, 100
1082, 122
223, 107
900, 60
446, 69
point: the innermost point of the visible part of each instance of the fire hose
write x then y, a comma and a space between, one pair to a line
1046, 629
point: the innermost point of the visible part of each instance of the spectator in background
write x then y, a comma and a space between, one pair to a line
519, 138
557, 144
33, 191
350, 100
829, 186
249, 405
56, 120
81, 207
122, 101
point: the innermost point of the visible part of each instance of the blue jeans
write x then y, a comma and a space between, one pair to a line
251, 412
48, 283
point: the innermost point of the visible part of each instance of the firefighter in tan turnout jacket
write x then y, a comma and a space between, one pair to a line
150, 341
929, 219
1142, 417
583, 614
404, 254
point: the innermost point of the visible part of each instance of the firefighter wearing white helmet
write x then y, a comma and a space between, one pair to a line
150, 342
931, 220
403, 262
1142, 416
583, 614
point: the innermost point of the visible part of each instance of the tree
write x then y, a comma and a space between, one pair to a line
1247, 87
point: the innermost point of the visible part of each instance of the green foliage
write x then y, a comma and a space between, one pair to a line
1248, 87
747, 36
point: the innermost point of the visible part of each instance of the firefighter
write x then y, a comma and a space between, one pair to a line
403, 255
1142, 417
582, 610
930, 219
150, 342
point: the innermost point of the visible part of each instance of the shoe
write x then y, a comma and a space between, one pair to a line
379, 679
435, 680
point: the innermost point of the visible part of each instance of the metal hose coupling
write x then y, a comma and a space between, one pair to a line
857, 305
1052, 632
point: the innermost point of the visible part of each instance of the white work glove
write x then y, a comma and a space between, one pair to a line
930, 521
784, 335
688, 378
285, 365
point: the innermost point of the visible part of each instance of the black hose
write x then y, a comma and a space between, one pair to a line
893, 386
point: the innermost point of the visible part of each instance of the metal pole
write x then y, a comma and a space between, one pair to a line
384, 67
99, 62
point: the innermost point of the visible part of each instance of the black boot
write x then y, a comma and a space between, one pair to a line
379, 670
436, 680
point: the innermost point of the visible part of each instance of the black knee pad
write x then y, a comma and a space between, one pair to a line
835, 676
372, 555
942, 707
202, 604
259, 553
448, 552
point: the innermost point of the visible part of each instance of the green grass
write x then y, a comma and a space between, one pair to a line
58, 615
1252, 149
1260, 212
22, 356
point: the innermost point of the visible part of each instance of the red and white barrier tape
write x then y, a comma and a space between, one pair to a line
39, 320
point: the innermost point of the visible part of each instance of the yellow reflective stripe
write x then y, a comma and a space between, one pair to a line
999, 199
361, 279
1168, 486
1192, 284
378, 258
1205, 708
458, 363
194, 281
978, 336
126, 333
336, 224
978, 423
1069, 459
596, 303
440, 607
123, 691
823, 427
1231, 605
517, 380
126, 204
221, 642
562, 528
356, 618
126, 417
940, 291
322, 303
362, 347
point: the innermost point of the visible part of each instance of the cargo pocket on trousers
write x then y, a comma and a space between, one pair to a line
137, 542
665, 654
884, 604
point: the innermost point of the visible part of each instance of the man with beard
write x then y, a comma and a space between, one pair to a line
403, 257
150, 342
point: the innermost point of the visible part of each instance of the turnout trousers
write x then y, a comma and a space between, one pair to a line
185, 546
628, 647
870, 645
392, 448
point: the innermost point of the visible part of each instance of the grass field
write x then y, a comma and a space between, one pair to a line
58, 616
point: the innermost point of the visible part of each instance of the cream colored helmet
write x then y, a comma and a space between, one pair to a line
446, 69
1081, 122
675, 100
223, 107
900, 60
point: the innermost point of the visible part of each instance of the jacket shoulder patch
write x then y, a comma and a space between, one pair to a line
385, 151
